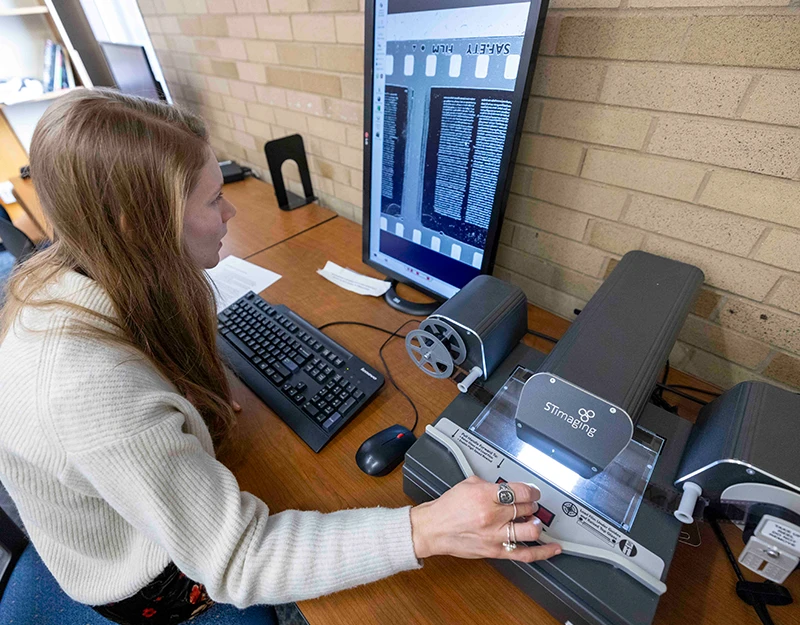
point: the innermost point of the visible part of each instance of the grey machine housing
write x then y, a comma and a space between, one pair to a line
614, 350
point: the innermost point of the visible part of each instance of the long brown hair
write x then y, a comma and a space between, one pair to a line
113, 173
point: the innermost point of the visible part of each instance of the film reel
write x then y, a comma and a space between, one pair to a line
448, 336
429, 354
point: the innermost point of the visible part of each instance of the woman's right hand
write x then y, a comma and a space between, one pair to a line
469, 522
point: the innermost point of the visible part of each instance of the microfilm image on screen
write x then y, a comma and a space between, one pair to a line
446, 91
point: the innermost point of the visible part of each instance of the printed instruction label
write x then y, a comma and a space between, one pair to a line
783, 534
599, 528
478, 448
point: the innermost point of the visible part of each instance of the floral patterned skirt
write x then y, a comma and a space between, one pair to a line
170, 598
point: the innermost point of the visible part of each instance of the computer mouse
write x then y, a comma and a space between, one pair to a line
382, 452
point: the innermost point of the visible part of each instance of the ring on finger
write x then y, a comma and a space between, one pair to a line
513, 532
505, 494
510, 545
516, 514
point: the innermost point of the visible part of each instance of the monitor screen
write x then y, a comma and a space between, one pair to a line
445, 85
131, 70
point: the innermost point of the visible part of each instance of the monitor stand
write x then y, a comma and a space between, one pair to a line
419, 309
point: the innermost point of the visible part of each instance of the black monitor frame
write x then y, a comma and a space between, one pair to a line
528, 57
130, 46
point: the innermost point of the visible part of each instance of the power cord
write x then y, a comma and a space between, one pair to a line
392, 335
542, 336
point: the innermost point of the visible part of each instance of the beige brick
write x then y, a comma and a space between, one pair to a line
612, 263
326, 84
775, 100
221, 6
786, 295
784, 368
190, 26
341, 58
568, 79
353, 88
506, 232
274, 27
224, 69
706, 3
218, 85
694, 224
325, 129
239, 122
709, 367
558, 277
355, 137
221, 132
243, 90
699, 90
730, 273
552, 24
316, 28
202, 45
260, 112
635, 38
577, 194
173, 7
350, 28
232, 49
244, 140
322, 185
550, 153
215, 26
559, 250
596, 124
351, 157
542, 295
147, 7
780, 248
298, 54
324, 6
280, 77
288, 6
194, 6
765, 324
746, 40
261, 51
345, 209
644, 173
753, 195
290, 119
756, 148
234, 105
521, 180
159, 43
273, 96
724, 342
357, 179
153, 24
305, 102
584, 4
348, 194
252, 6
615, 238
258, 129
242, 26
547, 217
342, 111
335, 171
706, 303
533, 115
205, 65
252, 72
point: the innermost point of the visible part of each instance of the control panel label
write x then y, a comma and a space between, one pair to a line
783, 534
599, 528
478, 448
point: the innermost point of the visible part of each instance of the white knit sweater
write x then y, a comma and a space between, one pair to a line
114, 475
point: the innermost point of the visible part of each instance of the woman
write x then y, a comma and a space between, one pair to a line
118, 397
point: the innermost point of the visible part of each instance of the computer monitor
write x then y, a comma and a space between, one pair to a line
446, 88
131, 70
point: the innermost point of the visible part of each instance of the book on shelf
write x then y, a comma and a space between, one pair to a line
58, 72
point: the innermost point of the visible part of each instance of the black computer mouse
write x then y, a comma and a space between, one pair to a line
382, 452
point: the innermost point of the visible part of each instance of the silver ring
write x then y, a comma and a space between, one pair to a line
505, 494
514, 532
510, 545
516, 514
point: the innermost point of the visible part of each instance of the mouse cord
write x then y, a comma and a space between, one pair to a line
392, 335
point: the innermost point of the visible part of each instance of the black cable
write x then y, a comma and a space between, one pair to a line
357, 323
543, 336
380, 354
759, 606
694, 388
685, 395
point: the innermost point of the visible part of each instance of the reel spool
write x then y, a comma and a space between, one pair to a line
436, 348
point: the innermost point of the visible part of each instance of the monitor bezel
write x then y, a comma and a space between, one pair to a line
521, 95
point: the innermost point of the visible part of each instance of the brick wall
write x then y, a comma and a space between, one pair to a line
664, 125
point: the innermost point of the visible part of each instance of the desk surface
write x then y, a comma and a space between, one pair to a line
276, 465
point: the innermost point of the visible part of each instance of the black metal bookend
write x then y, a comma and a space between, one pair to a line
278, 152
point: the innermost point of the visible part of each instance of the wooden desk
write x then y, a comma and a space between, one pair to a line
277, 466
29, 202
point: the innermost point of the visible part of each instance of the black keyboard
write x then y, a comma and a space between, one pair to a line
311, 382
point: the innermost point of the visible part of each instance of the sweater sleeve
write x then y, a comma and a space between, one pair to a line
164, 484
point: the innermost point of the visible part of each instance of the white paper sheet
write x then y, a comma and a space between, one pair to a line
6, 192
233, 277
353, 281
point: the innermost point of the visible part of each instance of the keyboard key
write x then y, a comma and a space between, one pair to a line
300, 386
277, 378
338, 362
326, 352
358, 394
282, 370
311, 410
347, 405
332, 420
290, 365
320, 378
240, 346
299, 399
